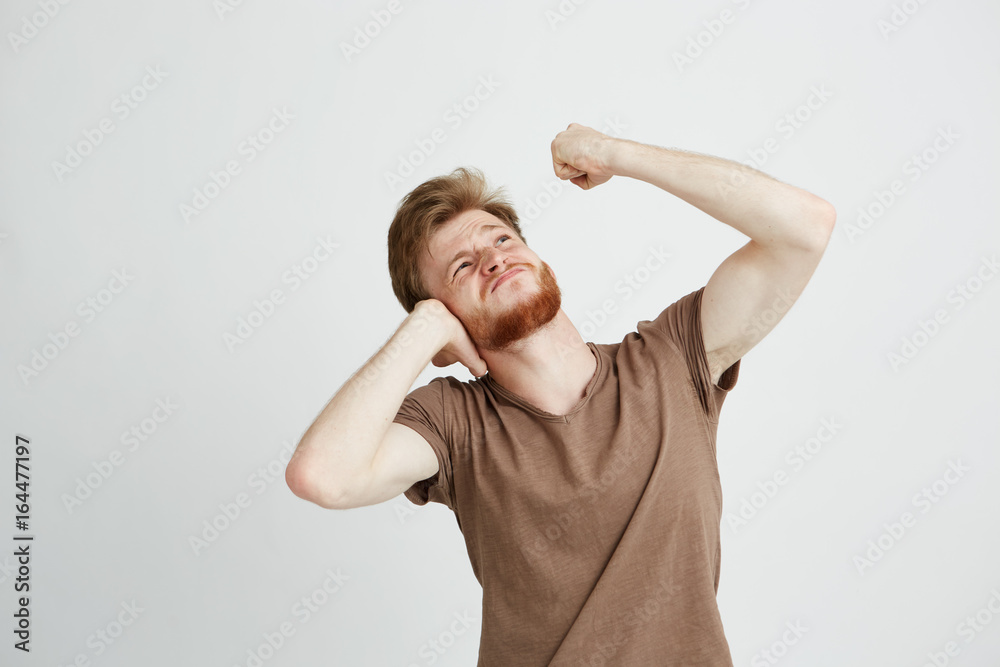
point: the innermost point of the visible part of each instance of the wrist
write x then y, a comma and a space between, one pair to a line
429, 320
620, 155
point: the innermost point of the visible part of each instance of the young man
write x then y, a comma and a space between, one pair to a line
583, 476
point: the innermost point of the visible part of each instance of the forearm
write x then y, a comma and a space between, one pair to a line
770, 212
343, 439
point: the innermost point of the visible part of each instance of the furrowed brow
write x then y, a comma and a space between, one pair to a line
458, 255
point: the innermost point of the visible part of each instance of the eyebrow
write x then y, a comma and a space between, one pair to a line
460, 253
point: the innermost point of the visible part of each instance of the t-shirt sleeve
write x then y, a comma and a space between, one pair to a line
423, 410
681, 322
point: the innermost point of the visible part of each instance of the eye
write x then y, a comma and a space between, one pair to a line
463, 264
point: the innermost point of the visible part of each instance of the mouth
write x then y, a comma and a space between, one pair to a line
504, 276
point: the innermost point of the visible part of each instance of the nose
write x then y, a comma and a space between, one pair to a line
492, 258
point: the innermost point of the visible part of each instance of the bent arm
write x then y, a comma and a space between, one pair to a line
773, 214
337, 451
789, 229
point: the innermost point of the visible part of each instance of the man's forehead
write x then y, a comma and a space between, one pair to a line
457, 234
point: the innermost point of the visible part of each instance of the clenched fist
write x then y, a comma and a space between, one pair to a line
582, 155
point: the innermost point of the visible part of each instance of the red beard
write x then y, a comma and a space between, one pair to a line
496, 331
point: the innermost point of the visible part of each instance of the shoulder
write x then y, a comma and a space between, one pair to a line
447, 390
673, 327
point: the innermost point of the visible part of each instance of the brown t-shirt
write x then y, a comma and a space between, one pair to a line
595, 534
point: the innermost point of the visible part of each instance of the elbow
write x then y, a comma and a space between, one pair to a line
830, 214
826, 220
805, 227
302, 481
295, 478
822, 218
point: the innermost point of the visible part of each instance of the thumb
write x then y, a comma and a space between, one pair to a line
479, 367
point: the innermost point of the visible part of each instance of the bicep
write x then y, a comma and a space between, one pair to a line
748, 295
403, 458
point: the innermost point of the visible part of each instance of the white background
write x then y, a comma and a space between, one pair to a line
403, 572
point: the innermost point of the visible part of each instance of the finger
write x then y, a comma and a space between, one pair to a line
564, 171
478, 367
442, 360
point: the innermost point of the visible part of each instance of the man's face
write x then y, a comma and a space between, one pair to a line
466, 259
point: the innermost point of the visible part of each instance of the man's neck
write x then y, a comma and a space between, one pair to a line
551, 369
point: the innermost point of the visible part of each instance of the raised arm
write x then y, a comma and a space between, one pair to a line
751, 290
